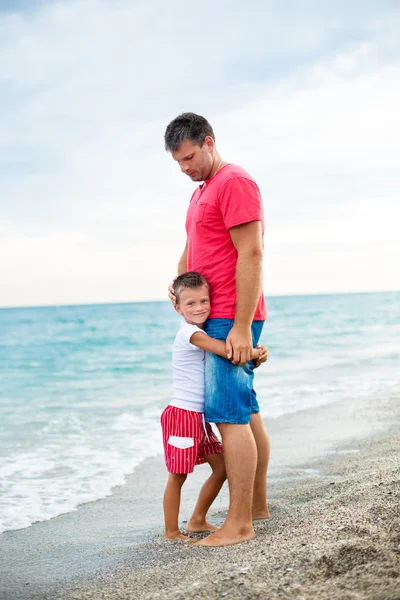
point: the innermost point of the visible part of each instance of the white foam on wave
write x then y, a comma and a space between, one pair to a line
81, 456
283, 395
335, 359
72, 466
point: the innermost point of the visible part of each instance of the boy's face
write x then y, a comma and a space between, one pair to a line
194, 305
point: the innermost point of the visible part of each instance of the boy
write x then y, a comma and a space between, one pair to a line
188, 440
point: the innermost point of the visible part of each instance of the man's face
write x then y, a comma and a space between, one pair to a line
194, 305
194, 161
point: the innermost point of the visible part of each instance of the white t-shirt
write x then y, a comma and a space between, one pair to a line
188, 370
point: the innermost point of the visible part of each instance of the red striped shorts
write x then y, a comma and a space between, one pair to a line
185, 441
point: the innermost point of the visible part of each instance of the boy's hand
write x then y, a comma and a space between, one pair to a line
262, 354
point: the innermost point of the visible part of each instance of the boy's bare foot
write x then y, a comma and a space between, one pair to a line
178, 536
259, 515
224, 538
193, 526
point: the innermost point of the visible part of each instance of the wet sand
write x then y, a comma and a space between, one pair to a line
334, 530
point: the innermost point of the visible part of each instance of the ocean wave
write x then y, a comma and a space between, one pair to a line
72, 466
82, 388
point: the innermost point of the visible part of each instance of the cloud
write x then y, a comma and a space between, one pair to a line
93, 209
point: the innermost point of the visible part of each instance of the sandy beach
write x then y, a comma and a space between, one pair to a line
334, 530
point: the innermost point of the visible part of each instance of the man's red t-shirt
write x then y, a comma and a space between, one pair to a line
228, 199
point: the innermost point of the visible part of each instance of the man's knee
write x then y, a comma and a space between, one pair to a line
262, 460
233, 429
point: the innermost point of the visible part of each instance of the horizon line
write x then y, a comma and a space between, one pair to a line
114, 303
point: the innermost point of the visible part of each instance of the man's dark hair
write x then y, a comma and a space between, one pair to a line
187, 126
192, 280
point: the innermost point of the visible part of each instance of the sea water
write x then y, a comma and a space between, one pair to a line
82, 387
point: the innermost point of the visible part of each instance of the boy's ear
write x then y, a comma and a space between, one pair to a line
178, 310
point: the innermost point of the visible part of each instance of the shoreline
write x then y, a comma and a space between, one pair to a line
115, 543
275, 424
335, 537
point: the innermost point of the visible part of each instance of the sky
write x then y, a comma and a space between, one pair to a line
303, 95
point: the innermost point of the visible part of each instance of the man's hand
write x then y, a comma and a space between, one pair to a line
263, 355
239, 345
171, 294
182, 268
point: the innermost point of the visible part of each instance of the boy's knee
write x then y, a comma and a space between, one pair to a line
178, 478
223, 476
220, 472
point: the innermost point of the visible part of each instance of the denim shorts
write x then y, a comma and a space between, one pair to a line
229, 392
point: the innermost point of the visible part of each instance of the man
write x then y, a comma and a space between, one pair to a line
225, 227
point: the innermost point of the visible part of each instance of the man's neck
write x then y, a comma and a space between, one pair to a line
217, 163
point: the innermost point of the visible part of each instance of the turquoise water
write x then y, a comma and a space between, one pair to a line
82, 387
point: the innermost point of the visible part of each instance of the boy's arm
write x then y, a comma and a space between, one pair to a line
205, 342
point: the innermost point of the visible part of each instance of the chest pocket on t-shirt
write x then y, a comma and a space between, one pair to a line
198, 215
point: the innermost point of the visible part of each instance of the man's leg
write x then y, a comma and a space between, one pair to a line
229, 403
240, 459
260, 506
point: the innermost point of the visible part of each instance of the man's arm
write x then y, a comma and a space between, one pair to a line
182, 264
205, 342
182, 268
247, 240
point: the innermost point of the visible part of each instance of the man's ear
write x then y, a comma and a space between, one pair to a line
178, 310
209, 143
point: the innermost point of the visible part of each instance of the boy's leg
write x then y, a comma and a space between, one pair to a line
208, 493
172, 501
260, 505
179, 428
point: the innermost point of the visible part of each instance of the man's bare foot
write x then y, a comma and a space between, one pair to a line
259, 515
178, 536
222, 538
193, 526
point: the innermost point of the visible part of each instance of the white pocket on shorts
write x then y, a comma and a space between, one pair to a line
180, 442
